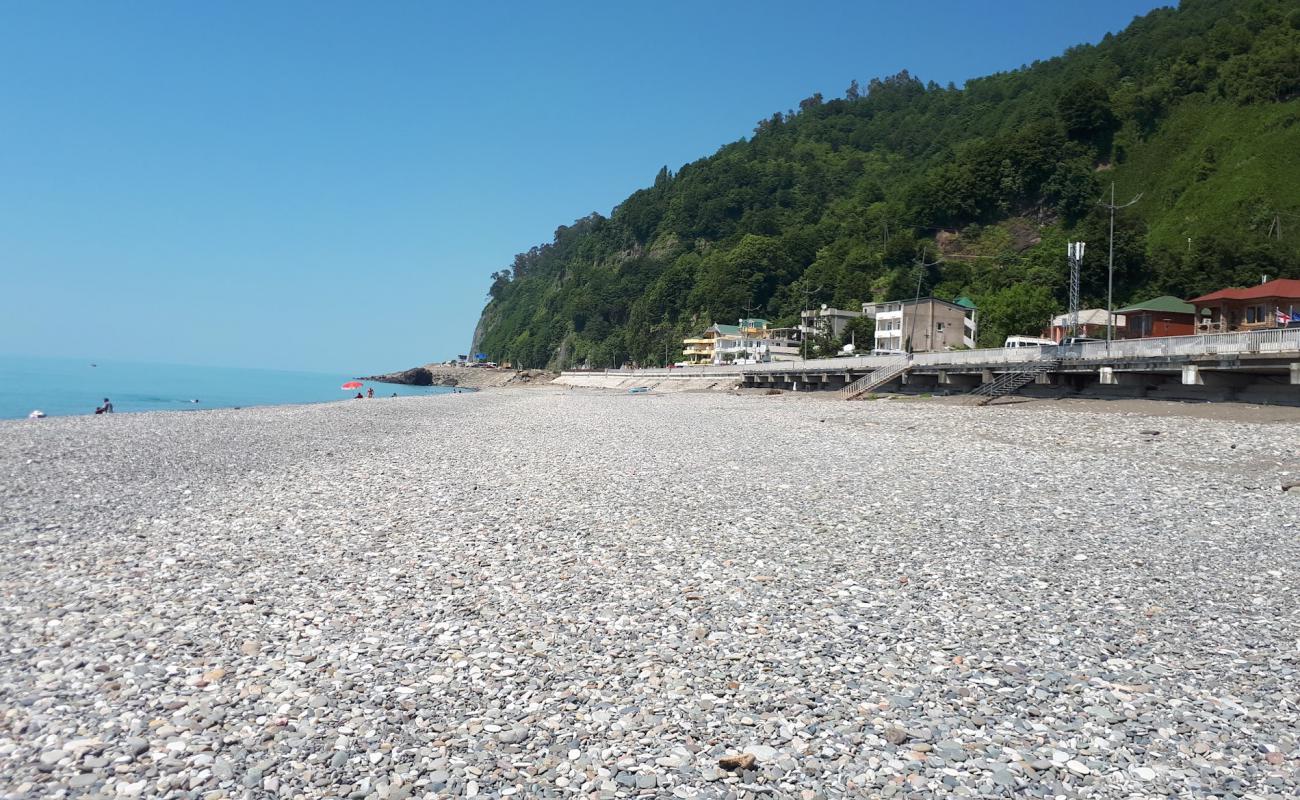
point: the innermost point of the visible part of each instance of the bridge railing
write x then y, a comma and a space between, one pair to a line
1269, 340
989, 355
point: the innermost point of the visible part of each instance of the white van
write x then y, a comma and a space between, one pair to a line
1028, 341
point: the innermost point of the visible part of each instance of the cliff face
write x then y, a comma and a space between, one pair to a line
484, 322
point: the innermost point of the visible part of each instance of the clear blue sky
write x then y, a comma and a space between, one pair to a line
328, 185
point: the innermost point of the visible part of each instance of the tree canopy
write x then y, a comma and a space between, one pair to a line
844, 200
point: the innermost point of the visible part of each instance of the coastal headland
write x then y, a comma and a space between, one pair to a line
464, 377
574, 592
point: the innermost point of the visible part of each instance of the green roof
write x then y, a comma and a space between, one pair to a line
754, 322
1166, 304
726, 329
964, 302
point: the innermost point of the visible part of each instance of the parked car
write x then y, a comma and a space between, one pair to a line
1080, 340
1028, 341
880, 351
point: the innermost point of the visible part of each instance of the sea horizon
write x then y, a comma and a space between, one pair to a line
67, 386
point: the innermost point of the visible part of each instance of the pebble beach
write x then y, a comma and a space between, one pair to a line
549, 593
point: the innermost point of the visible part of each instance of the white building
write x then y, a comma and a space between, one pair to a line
925, 325
747, 350
1092, 323
825, 320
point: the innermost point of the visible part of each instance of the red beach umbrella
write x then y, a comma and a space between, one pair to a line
352, 385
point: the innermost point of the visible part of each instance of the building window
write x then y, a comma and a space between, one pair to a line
938, 326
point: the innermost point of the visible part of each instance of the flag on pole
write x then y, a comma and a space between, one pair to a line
1283, 318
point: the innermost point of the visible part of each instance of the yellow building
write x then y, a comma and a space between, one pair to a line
698, 351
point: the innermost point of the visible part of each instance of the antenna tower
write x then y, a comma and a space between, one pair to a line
1075, 250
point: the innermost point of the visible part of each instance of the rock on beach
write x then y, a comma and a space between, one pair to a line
547, 593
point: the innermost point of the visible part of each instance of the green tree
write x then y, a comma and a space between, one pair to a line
861, 332
1021, 309
1085, 110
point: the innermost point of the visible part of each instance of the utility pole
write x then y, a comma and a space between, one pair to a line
807, 300
1276, 226
916, 303
1075, 250
1110, 265
667, 341
749, 318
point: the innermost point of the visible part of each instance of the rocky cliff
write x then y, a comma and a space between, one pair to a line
464, 377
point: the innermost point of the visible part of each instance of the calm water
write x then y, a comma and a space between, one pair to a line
64, 386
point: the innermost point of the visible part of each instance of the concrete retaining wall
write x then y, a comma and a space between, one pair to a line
687, 383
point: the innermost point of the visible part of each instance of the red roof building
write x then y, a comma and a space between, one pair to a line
1249, 309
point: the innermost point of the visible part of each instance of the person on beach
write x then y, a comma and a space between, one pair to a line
107, 408
359, 396
370, 393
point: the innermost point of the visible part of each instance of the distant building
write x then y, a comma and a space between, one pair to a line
697, 350
749, 341
925, 325
755, 350
700, 349
1092, 323
1253, 308
1160, 316
825, 319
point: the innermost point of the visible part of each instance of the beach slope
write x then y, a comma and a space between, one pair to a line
554, 593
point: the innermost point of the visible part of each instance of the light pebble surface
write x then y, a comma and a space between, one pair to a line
548, 593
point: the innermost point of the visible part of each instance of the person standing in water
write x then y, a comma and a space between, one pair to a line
370, 393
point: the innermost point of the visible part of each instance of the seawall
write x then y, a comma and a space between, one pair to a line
649, 379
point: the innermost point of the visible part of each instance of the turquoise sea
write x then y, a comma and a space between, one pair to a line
70, 386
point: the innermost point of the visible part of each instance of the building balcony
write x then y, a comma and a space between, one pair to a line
1221, 326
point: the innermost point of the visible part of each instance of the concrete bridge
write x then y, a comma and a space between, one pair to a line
1257, 366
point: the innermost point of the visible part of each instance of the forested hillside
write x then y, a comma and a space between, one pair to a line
971, 190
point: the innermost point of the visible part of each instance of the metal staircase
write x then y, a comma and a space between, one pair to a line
881, 375
1011, 382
